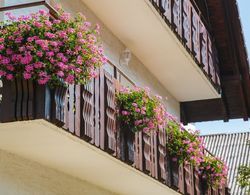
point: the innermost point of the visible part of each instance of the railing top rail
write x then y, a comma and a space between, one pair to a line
46, 3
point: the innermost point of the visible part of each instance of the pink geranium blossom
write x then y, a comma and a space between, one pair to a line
50, 50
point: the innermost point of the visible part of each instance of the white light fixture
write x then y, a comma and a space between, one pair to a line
125, 57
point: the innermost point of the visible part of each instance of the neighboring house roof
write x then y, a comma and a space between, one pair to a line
234, 150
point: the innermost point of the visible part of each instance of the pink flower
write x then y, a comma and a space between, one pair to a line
26, 75
2, 73
137, 110
93, 74
1, 47
48, 23
145, 129
71, 30
5, 61
9, 77
10, 67
26, 59
43, 12
79, 35
39, 53
60, 73
134, 104
62, 34
70, 79
50, 35
137, 122
30, 39
65, 17
38, 65
125, 113
29, 68
54, 43
18, 40
50, 54
37, 24
79, 60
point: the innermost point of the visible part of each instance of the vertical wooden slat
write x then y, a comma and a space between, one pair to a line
19, 96
165, 5
189, 179
187, 23
88, 111
181, 179
154, 150
162, 154
211, 61
204, 47
66, 110
8, 103
197, 186
168, 170
209, 191
57, 103
25, 96
196, 35
31, 102
102, 110
71, 113
110, 114
78, 111
139, 153
177, 16
147, 153
97, 110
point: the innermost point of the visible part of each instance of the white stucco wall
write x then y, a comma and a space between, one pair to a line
19, 176
136, 71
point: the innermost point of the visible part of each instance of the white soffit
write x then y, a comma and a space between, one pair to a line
137, 24
51, 146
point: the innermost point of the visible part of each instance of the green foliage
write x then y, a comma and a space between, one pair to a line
183, 145
213, 170
139, 111
244, 177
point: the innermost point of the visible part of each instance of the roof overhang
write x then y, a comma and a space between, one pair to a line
234, 69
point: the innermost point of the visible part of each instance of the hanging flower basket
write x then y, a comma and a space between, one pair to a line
214, 171
50, 51
182, 145
139, 111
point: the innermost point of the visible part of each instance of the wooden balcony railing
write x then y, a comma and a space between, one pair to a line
184, 18
89, 112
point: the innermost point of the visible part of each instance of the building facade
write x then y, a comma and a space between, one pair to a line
180, 49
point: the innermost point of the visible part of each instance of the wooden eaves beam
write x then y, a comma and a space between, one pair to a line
52, 11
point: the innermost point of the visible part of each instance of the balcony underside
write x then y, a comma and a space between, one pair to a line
140, 27
47, 144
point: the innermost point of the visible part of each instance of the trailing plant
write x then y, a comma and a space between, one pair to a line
213, 170
139, 110
244, 177
47, 50
182, 145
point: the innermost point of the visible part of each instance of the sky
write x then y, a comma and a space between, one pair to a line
233, 125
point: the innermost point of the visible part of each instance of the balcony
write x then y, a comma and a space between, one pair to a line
79, 135
171, 40
74, 130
